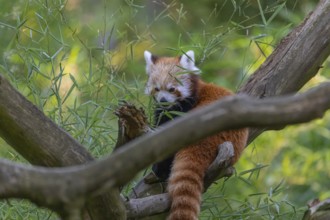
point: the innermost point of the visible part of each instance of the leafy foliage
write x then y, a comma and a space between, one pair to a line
76, 60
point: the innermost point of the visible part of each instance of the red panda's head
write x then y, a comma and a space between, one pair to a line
170, 77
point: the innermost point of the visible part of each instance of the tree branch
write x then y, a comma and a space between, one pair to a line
295, 60
42, 142
65, 186
318, 210
221, 165
148, 206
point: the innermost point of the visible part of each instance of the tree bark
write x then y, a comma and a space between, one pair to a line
318, 210
295, 60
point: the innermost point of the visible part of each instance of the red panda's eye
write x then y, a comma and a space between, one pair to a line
172, 89
157, 89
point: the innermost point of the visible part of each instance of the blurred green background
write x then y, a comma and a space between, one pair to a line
76, 60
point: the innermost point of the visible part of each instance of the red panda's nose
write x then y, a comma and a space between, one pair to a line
162, 100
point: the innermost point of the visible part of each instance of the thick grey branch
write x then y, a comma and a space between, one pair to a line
42, 142
67, 185
27, 130
296, 60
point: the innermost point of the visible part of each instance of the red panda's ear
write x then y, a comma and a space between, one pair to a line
150, 59
187, 61
147, 57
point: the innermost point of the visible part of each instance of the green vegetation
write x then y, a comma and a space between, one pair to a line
76, 60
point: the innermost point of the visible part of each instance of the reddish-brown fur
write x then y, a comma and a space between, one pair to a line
190, 164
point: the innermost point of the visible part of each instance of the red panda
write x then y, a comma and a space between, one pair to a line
175, 80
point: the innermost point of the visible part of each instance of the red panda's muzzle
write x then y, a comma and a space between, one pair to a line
163, 100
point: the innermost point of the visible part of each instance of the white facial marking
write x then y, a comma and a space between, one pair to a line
165, 95
148, 58
160, 85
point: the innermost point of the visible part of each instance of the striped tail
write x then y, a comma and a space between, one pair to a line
185, 187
